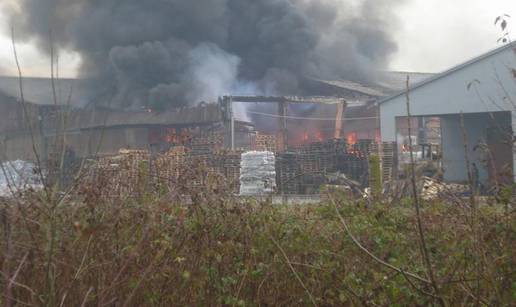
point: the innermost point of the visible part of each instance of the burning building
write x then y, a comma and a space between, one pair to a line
311, 126
135, 56
147, 66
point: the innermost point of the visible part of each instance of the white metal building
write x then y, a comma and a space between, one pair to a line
483, 90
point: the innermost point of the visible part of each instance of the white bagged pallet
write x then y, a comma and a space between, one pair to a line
257, 173
16, 176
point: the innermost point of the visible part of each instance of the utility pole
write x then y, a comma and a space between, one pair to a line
226, 103
232, 114
282, 124
338, 120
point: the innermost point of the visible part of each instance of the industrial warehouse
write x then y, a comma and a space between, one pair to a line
257, 153
314, 141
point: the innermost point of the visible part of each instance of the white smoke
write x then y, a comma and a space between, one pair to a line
214, 72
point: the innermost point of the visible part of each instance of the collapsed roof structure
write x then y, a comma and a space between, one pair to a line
90, 119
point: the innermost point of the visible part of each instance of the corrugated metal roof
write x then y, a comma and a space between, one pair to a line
39, 90
451, 70
396, 80
382, 84
354, 87
92, 119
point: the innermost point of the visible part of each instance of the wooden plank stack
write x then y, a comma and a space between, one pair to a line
288, 173
265, 142
388, 161
206, 144
227, 164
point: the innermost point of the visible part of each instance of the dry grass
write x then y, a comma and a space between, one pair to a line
153, 250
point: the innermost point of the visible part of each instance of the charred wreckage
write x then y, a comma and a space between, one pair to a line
312, 139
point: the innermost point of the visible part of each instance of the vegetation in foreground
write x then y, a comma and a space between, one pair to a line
89, 249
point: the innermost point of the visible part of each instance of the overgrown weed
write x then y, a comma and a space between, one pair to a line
154, 250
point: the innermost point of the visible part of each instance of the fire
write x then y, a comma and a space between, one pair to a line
351, 138
173, 137
306, 137
319, 136
170, 136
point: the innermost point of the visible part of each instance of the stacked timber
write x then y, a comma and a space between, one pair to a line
353, 165
265, 142
288, 173
207, 144
227, 164
388, 161
169, 166
123, 174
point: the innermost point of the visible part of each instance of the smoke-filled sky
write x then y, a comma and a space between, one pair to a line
186, 51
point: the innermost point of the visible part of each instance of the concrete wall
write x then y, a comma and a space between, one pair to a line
87, 130
84, 144
108, 141
15, 118
21, 148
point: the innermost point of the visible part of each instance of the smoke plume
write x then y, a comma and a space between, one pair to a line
171, 53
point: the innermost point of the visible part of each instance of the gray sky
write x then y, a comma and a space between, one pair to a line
437, 34
433, 35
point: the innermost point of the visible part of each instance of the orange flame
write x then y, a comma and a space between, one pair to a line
351, 138
319, 136
305, 137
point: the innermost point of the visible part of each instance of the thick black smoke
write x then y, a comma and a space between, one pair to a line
170, 53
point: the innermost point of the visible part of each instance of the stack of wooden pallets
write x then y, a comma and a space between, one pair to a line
388, 161
206, 144
288, 173
227, 164
265, 142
